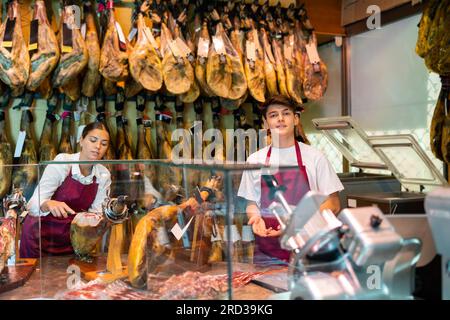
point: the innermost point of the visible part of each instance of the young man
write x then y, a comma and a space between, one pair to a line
314, 172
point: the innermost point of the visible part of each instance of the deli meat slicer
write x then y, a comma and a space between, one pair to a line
358, 255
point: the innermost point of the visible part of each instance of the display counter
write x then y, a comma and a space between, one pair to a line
158, 224
53, 278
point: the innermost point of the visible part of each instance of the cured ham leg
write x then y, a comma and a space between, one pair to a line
146, 236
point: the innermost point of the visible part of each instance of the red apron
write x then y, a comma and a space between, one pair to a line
297, 185
55, 232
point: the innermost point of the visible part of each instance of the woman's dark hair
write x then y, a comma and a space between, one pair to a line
280, 100
92, 126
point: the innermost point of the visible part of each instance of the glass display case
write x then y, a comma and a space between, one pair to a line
139, 230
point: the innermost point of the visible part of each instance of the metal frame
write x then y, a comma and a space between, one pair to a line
388, 141
325, 124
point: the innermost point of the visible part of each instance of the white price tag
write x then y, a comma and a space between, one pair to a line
79, 132
149, 35
120, 33
218, 45
19, 144
83, 31
175, 50
185, 50
250, 50
132, 34
247, 233
313, 55
203, 47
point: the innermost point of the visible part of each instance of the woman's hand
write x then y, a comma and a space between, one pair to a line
57, 208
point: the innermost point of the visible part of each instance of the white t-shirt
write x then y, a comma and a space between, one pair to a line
321, 175
55, 174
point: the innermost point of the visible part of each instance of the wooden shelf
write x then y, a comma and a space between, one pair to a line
325, 16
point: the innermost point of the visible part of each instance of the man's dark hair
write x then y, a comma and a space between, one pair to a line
280, 100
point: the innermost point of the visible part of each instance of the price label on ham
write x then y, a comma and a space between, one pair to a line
313, 55
150, 37
83, 31
19, 144
218, 45
132, 34
174, 48
203, 48
183, 47
250, 49
120, 33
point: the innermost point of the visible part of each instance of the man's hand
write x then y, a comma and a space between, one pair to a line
274, 233
255, 219
258, 225
57, 208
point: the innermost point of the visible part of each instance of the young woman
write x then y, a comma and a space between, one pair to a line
63, 191
314, 172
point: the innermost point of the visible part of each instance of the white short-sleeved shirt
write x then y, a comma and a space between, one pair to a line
321, 175
55, 174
